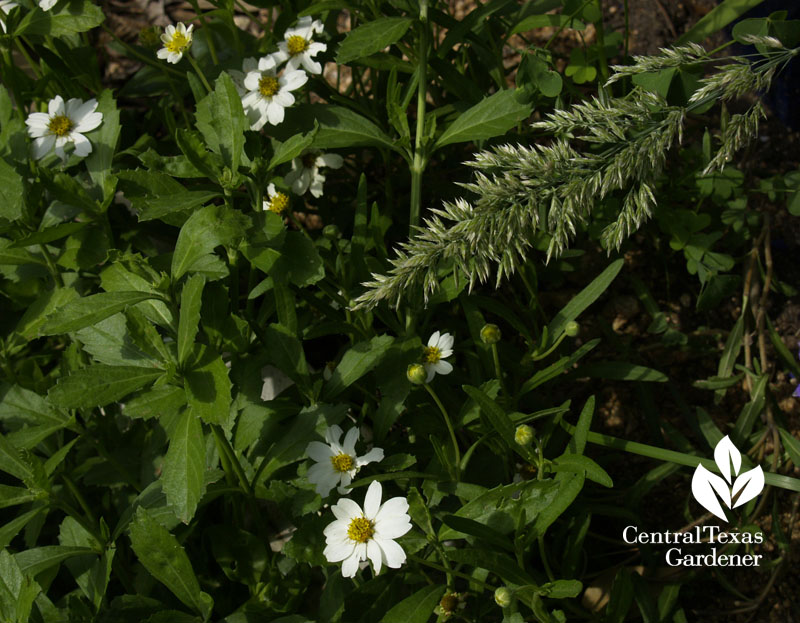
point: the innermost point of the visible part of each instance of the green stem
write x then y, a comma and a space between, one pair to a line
79, 498
51, 265
24, 53
199, 73
449, 428
543, 556
225, 448
459, 574
419, 162
497, 370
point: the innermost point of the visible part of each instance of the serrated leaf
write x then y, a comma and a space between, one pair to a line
417, 608
191, 301
164, 558
208, 388
372, 37
12, 204
109, 342
155, 402
89, 310
184, 465
291, 148
99, 385
493, 116
221, 120
357, 362
157, 196
66, 19
104, 140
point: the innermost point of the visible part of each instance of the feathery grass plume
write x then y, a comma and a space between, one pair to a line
518, 191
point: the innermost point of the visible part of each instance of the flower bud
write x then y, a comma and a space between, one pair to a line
490, 334
523, 435
331, 232
416, 373
150, 37
572, 328
502, 596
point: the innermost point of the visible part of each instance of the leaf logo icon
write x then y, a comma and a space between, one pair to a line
732, 488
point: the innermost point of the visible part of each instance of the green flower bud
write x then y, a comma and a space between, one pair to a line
490, 334
150, 37
572, 328
416, 373
502, 596
331, 232
523, 435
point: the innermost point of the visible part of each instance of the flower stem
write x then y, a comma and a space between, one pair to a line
449, 428
225, 448
419, 161
199, 73
497, 370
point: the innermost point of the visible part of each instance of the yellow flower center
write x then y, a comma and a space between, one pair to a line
60, 125
178, 43
296, 45
360, 530
278, 203
268, 86
431, 354
342, 462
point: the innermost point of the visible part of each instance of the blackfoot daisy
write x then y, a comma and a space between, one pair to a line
268, 94
62, 124
305, 173
358, 535
440, 346
299, 47
337, 463
177, 40
276, 201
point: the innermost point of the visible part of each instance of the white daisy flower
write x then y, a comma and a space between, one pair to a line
177, 41
337, 463
439, 347
268, 94
5, 8
62, 124
299, 47
276, 201
357, 535
305, 173
46, 5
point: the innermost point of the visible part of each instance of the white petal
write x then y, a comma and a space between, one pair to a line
319, 452
374, 554
442, 367
332, 161
89, 122
373, 456
163, 53
345, 480
38, 124
83, 109
283, 98
334, 433
434, 340
82, 145
372, 501
170, 31
249, 64
294, 80
46, 5
394, 556
336, 530
350, 565
56, 106
392, 528
315, 47
175, 57
71, 107
272, 192
339, 550
251, 81
346, 509
446, 341
267, 64
309, 65
275, 113
431, 372
349, 444
298, 180
316, 185
43, 145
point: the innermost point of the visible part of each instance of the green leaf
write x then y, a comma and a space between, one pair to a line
99, 385
568, 489
23, 405
161, 554
291, 148
356, 362
621, 371
192, 146
750, 412
35, 560
206, 229
109, 342
417, 608
299, 261
184, 464
498, 418
156, 402
493, 116
104, 140
12, 463
477, 529
208, 388
191, 301
792, 446
577, 443
286, 353
338, 127
548, 21
66, 19
90, 310
719, 17
372, 37
581, 301
500, 564
12, 188
730, 354
579, 464
158, 196
221, 120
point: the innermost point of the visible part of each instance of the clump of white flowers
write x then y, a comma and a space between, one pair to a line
299, 48
439, 348
266, 93
63, 123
